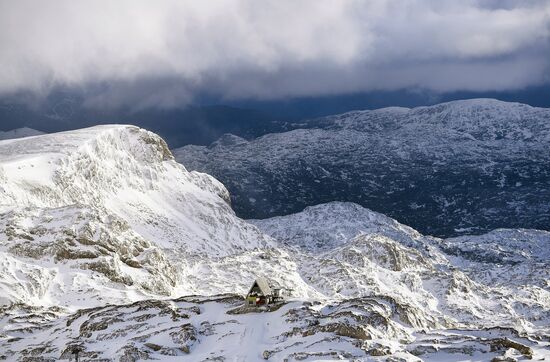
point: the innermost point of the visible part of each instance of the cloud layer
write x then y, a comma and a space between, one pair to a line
164, 53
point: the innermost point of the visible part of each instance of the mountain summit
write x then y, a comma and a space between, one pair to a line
109, 200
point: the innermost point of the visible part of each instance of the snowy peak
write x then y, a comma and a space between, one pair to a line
228, 139
76, 166
19, 133
106, 213
128, 171
327, 226
476, 119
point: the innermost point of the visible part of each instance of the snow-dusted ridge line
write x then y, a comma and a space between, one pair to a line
19, 133
461, 104
456, 168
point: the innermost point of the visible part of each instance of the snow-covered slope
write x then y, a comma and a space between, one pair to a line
327, 226
497, 279
107, 204
19, 133
213, 329
381, 290
456, 168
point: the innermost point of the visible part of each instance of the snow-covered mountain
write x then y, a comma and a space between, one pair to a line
478, 278
19, 133
456, 168
111, 248
109, 200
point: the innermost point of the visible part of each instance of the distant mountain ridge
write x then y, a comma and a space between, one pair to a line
178, 127
455, 168
19, 133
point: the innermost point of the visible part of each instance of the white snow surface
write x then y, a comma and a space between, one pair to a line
102, 232
207, 328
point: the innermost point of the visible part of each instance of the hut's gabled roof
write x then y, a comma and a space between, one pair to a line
263, 285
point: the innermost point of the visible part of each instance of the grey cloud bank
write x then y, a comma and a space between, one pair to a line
164, 53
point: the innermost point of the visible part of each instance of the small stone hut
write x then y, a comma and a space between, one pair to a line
262, 293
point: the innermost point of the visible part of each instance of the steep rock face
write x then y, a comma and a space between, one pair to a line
456, 168
110, 203
76, 254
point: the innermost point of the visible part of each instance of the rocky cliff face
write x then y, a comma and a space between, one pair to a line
464, 167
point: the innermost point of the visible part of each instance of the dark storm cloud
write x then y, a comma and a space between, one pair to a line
165, 53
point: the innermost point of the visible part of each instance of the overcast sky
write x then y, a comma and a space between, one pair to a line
167, 53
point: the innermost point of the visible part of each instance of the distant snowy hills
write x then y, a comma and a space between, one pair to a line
456, 168
111, 248
19, 133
